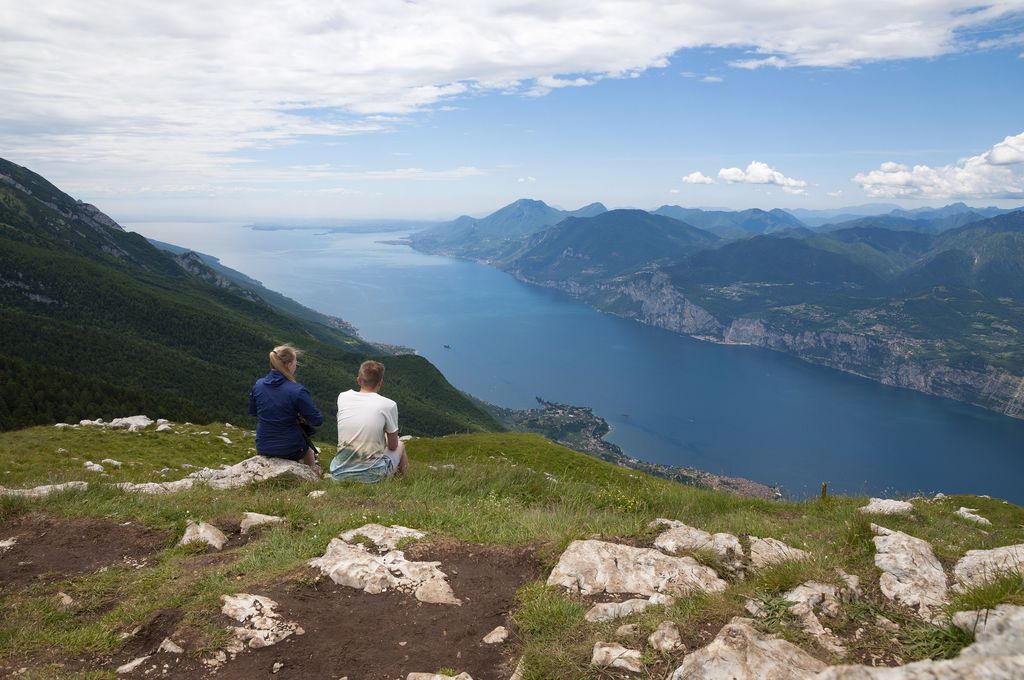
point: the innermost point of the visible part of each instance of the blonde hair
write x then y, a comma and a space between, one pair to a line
280, 357
371, 374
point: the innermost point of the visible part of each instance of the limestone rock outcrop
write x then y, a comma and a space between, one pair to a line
131, 423
887, 506
980, 566
204, 533
353, 565
44, 490
765, 552
823, 597
996, 654
680, 537
385, 538
969, 515
609, 611
665, 637
261, 625
591, 566
248, 471
739, 651
255, 519
911, 575
614, 655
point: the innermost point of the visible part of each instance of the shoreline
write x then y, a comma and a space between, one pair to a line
579, 429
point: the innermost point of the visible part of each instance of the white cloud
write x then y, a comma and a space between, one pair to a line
147, 93
673, 191
711, 79
762, 173
761, 62
523, 180
834, 194
697, 177
996, 173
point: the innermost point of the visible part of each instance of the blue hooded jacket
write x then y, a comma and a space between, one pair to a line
278, 403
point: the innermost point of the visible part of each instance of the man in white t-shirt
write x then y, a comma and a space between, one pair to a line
368, 446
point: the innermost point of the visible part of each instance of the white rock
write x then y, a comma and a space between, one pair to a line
225, 440
93, 467
980, 566
261, 625
627, 630
665, 637
517, 674
162, 421
356, 567
8, 543
385, 538
131, 423
740, 652
163, 427
203, 533
496, 636
276, 667
968, 514
131, 665
939, 496
255, 519
682, 538
887, 506
911, 575
614, 655
435, 676
61, 426
316, 494
96, 423
996, 654
112, 462
248, 471
609, 611
826, 599
765, 552
169, 646
1002, 635
64, 599
44, 490
155, 488
977, 620
592, 566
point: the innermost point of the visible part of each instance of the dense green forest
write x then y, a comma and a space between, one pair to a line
97, 322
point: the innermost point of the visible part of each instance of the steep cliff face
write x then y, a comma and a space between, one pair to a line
886, 356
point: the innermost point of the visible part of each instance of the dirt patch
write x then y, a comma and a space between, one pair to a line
350, 633
50, 547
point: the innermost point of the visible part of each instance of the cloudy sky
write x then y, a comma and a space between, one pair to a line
262, 110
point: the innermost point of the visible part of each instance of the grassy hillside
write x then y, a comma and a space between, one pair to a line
468, 492
99, 323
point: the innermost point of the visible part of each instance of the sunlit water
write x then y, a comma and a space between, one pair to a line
733, 410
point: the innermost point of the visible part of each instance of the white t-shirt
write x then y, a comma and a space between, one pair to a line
363, 418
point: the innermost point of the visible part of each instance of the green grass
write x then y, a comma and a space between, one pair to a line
498, 492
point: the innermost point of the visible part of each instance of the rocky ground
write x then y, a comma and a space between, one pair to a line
498, 558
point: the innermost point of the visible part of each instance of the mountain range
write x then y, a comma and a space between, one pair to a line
99, 322
931, 300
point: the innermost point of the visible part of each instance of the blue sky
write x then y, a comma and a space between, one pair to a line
263, 112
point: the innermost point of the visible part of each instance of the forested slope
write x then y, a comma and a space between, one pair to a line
97, 322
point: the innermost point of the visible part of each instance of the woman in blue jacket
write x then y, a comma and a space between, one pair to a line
279, 402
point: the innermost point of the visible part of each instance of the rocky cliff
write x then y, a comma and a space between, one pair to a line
883, 354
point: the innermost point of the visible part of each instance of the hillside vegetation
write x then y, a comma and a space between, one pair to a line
97, 321
931, 300
482, 494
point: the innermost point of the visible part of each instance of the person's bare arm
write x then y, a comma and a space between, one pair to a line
392, 440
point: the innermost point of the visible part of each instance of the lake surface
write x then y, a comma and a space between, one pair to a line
733, 410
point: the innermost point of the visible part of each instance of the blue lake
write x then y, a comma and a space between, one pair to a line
669, 399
